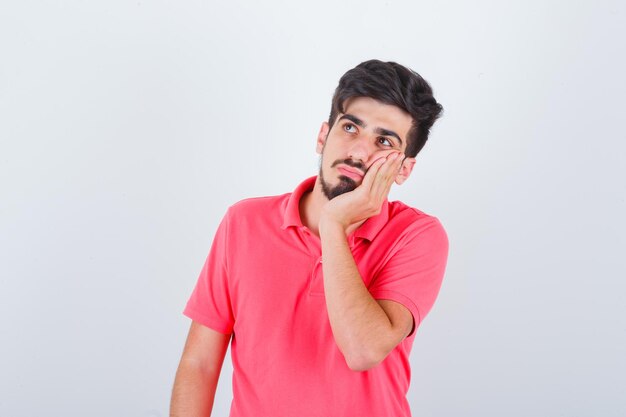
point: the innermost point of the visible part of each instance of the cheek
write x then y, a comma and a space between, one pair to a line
379, 154
331, 153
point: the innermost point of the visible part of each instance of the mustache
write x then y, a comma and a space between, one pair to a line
354, 164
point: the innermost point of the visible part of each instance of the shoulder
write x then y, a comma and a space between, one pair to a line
416, 239
414, 230
412, 220
258, 205
255, 203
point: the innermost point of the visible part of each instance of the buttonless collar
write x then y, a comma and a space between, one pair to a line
291, 213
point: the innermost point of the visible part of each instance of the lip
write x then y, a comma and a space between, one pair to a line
350, 172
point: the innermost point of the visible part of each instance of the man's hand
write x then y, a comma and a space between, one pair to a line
366, 200
365, 329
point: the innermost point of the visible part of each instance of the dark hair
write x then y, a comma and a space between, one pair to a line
394, 84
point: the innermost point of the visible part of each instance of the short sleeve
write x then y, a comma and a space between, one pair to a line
210, 301
413, 274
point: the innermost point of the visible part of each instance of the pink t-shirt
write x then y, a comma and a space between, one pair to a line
262, 281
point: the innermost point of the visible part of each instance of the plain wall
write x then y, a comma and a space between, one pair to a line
128, 128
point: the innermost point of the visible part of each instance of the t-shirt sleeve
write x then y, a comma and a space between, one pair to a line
413, 274
210, 302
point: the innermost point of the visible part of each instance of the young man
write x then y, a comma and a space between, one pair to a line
320, 291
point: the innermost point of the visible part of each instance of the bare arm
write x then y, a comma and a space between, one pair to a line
198, 372
365, 329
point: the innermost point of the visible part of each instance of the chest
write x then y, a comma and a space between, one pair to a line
284, 274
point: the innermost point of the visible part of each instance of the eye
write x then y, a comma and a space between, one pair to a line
384, 141
349, 127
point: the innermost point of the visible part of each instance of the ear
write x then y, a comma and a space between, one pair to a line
405, 170
321, 137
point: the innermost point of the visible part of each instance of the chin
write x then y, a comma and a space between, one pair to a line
345, 185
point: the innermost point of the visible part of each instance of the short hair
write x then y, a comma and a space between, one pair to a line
394, 84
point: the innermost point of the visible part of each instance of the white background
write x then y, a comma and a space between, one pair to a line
128, 128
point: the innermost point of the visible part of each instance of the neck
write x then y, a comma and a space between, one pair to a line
311, 205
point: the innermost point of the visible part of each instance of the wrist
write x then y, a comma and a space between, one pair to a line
328, 225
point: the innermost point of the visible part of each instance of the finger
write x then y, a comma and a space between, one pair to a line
386, 175
371, 174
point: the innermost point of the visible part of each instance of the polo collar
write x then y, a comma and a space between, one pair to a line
291, 214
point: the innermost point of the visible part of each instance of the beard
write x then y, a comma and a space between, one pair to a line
346, 184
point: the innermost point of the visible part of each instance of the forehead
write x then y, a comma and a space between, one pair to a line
380, 115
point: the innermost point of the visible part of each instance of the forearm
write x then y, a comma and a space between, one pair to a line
362, 329
194, 391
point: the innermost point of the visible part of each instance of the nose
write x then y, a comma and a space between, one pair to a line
359, 150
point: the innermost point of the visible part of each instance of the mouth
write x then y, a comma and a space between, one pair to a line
350, 172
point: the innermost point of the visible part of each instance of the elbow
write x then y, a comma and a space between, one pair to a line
361, 366
364, 361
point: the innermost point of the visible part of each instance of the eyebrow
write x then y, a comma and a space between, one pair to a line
378, 130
